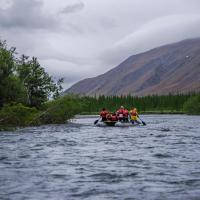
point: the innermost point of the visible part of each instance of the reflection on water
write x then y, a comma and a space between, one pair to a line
81, 161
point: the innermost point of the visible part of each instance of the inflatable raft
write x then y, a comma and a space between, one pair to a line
116, 124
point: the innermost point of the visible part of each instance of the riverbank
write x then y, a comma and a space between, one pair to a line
143, 112
57, 111
61, 110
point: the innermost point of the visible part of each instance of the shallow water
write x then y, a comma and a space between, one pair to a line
81, 161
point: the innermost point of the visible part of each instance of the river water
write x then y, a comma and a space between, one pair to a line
80, 161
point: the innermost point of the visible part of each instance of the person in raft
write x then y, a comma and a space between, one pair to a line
122, 114
104, 114
125, 115
112, 117
134, 116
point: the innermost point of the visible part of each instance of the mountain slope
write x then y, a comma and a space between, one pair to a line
167, 69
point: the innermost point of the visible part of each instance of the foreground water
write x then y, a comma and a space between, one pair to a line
80, 161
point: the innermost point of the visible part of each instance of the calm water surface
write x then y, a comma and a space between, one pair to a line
80, 161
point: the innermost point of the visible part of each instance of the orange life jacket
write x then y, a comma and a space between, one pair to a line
133, 112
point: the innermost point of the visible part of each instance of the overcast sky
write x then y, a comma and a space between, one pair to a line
76, 39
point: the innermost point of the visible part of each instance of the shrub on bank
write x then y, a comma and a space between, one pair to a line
192, 106
16, 115
53, 112
60, 110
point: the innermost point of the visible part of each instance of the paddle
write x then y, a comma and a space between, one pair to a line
142, 121
96, 121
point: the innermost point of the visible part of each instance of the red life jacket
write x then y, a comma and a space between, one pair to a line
125, 113
114, 118
120, 113
103, 113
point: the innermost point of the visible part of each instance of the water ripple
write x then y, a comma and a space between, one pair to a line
80, 161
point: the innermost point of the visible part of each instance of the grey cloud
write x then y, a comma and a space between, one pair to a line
73, 8
64, 58
25, 14
158, 32
77, 45
71, 72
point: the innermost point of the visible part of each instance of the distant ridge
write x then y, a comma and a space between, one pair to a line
172, 68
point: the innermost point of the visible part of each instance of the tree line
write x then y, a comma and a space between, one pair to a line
161, 103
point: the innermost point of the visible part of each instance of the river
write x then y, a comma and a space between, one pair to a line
80, 161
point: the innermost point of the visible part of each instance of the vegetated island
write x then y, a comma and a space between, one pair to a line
29, 96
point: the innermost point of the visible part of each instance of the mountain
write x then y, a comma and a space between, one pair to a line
173, 68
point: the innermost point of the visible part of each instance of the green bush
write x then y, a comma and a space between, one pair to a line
60, 110
192, 106
17, 115
53, 112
